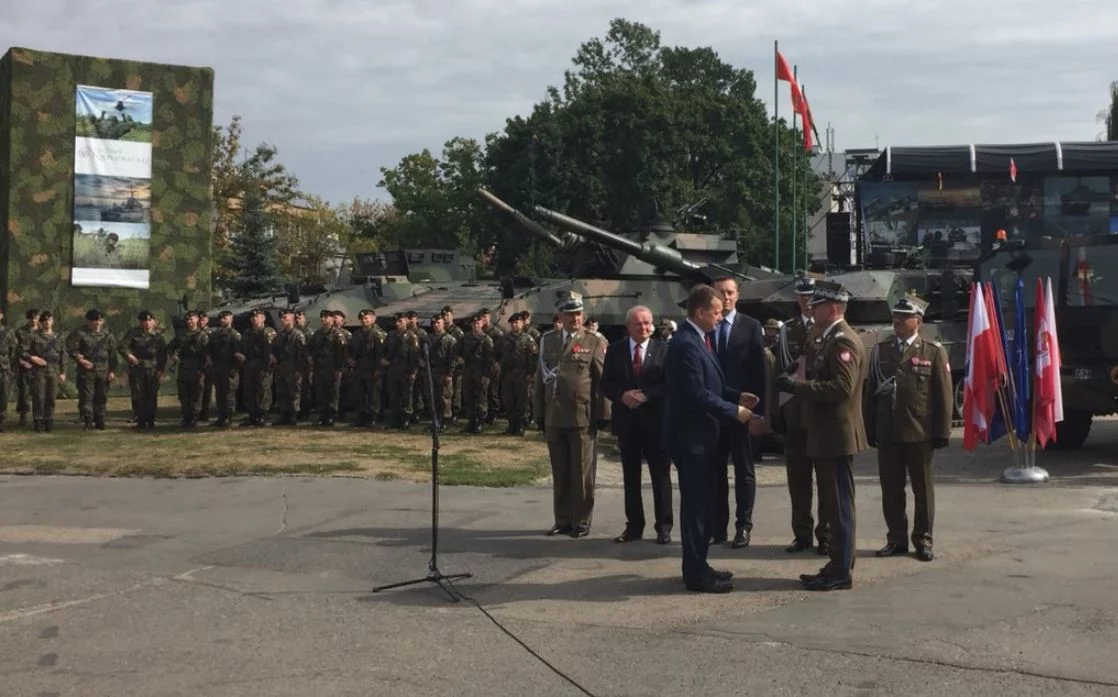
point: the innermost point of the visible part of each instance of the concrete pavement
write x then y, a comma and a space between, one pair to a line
261, 587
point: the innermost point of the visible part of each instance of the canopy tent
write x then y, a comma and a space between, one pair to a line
1075, 158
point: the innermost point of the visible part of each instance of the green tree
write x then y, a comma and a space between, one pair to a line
1109, 116
252, 260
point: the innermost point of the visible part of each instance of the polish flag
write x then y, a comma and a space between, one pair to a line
983, 371
1048, 396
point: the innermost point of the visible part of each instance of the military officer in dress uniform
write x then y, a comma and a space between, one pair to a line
832, 411
798, 341
567, 405
908, 415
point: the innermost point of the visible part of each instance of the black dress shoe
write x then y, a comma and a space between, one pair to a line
925, 554
741, 539
559, 530
580, 531
798, 546
825, 583
711, 586
814, 577
719, 538
721, 575
663, 538
627, 536
823, 549
892, 550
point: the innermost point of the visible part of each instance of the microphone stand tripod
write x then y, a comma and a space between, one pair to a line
434, 575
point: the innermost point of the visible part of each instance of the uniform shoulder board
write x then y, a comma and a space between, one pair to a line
839, 335
937, 344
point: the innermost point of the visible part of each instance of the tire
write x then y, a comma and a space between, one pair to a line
957, 391
1071, 433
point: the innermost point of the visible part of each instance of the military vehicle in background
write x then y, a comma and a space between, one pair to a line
1085, 294
423, 280
654, 266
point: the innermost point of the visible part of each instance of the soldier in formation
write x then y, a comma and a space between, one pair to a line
519, 356
289, 354
493, 389
94, 351
257, 361
145, 351
208, 374
329, 350
46, 352
402, 358
191, 352
477, 355
456, 332
366, 352
224, 345
442, 352
23, 368
908, 417
9, 357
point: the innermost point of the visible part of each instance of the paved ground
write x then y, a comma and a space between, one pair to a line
262, 587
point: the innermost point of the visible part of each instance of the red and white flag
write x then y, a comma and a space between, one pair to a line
978, 395
1012, 171
1048, 396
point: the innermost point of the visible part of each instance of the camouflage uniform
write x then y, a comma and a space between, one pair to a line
290, 352
518, 365
207, 379
192, 350
224, 344
366, 351
346, 387
535, 334
150, 349
476, 352
419, 385
23, 375
44, 379
9, 355
306, 399
493, 389
402, 351
456, 400
99, 348
441, 348
328, 351
256, 373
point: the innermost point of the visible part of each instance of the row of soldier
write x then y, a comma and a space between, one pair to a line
378, 375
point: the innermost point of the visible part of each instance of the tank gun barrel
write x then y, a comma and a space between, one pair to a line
524, 221
662, 257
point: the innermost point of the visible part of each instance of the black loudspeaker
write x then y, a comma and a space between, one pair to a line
840, 243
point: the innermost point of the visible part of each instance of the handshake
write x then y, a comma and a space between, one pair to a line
746, 403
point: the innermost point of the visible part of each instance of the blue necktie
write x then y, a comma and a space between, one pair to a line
722, 331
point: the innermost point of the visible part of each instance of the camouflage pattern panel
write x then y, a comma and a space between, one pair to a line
37, 126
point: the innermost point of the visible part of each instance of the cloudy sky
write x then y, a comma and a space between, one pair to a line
344, 87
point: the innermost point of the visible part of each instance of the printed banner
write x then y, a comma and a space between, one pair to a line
112, 188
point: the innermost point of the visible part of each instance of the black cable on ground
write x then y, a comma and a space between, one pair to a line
518, 640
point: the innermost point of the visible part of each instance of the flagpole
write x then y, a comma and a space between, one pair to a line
1030, 473
807, 171
776, 158
795, 171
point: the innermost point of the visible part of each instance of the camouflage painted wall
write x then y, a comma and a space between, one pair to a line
36, 185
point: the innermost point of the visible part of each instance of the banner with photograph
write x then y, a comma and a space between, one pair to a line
112, 188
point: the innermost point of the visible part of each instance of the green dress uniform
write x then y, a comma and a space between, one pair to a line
799, 342
150, 351
192, 351
570, 374
907, 415
224, 345
290, 352
9, 356
44, 378
256, 373
99, 348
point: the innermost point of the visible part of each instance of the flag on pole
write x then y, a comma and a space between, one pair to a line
982, 372
1019, 364
999, 425
800, 106
939, 180
1048, 404
1012, 171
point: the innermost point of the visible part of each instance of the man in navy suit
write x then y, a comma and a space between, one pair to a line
739, 343
633, 381
699, 403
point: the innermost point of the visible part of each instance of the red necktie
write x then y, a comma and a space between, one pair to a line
710, 346
637, 364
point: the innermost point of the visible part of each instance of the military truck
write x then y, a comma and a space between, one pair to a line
1085, 293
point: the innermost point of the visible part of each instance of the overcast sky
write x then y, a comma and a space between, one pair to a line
343, 87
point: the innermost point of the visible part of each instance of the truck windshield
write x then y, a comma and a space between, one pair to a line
1093, 276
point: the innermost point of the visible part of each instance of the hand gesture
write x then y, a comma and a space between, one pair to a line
785, 383
749, 400
744, 415
85, 363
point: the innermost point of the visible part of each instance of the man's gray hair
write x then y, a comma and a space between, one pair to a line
635, 309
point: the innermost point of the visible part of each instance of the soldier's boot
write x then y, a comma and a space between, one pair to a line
330, 417
222, 419
470, 426
1, 423
38, 425
99, 422
491, 418
87, 423
23, 418
48, 425
204, 415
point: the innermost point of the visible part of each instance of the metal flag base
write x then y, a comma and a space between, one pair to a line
1025, 475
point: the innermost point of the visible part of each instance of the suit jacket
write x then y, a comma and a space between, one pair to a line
921, 409
832, 396
699, 400
617, 378
743, 358
569, 380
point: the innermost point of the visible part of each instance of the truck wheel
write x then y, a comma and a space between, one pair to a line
1072, 432
957, 411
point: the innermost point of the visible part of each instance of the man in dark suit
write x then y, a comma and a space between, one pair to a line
739, 343
699, 403
633, 381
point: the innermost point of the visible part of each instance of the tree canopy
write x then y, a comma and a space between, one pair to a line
634, 121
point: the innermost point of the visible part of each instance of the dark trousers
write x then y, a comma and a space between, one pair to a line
894, 461
189, 383
696, 493
836, 489
573, 474
23, 390
734, 445
207, 393
147, 393
225, 390
799, 469
637, 446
